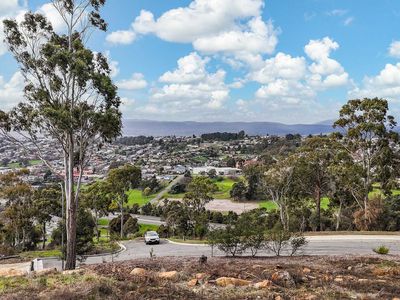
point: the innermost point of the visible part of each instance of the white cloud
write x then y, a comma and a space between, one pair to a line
325, 71
11, 92
394, 49
124, 37
229, 27
9, 9
190, 88
386, 84
201, 18
257, 37
283, 91
191, 68
136, 82
293, 81
51, 13
348, 21
281, 66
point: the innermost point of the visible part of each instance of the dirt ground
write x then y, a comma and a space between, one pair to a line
224, 205
309, 278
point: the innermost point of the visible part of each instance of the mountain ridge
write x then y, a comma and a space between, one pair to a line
135, 127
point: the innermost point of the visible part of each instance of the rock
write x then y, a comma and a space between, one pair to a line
201, 276
258, 267
12, 273
338, 279
350, 268
278, 298
226, 281
139, 272
72, 272
192, 282
265, 284
46, 271
172, 275
362, 280
283, 278
306, 270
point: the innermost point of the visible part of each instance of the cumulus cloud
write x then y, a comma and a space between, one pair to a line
394, 49
9, 9
294, 80
136, 82
51, 13
386, 84
230, 27
201, 18
123, 37
325, 71
189, 88
281, 66
257, 37
11, 91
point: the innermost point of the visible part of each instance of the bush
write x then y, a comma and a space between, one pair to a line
134, 209
228, 240
383, 250
146, 191
130, 225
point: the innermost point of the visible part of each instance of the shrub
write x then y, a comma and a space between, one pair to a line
146, 191
383, 250
130, 225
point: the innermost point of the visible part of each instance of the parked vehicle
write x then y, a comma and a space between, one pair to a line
151, 237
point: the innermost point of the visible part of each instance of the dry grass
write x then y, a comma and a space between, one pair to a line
314, 277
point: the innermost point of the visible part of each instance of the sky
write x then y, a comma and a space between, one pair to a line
289, 61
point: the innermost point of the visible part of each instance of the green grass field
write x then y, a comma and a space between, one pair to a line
224, 188
268, 205
32, 162
136, 196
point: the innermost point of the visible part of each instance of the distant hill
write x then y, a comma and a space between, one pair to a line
165, 128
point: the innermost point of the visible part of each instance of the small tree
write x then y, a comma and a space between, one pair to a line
121, 180
69, 95
238, 191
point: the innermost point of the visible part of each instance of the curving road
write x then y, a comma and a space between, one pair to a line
321, 245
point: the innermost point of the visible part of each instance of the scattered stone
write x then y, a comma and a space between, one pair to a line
139, 272
258, 267
306, 270
172, 275
265, 284
350, 268
362, 280
283, 278
192, 282
226, 281
278, 298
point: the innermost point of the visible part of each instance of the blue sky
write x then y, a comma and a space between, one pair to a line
238, 60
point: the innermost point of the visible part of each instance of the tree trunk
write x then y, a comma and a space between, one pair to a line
44, 235
122, 220
71, 210
339, 216
318, 203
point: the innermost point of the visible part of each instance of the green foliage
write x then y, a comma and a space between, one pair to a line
383, 250
239, 191
130, 225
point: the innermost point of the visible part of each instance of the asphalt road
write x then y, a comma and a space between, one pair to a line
321, 245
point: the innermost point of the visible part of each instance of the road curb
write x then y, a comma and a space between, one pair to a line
186, 244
